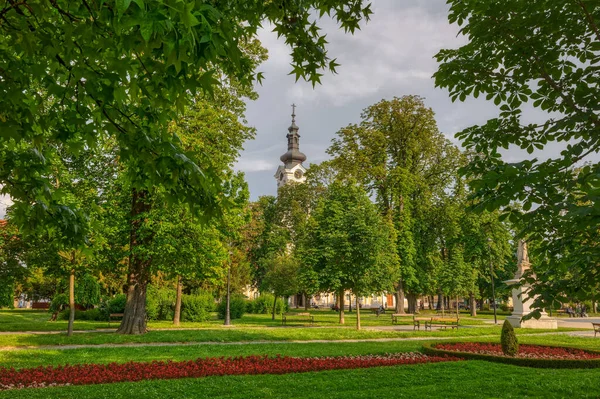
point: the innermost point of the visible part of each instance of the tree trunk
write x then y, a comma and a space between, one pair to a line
342, 321
457, 308
134, 316
430, 299
440, 303
274, 307
304, 298
228, 298
473, 305
412, 303
357, 313
400, 298
177, 315
71, 302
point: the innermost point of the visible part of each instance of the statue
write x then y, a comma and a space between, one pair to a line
521, 301
522, 260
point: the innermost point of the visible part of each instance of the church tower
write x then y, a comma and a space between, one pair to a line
292, 169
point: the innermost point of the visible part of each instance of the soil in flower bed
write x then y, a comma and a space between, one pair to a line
85, 374
525, 351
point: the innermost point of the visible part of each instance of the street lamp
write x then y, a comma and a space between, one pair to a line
492, 277
227, 312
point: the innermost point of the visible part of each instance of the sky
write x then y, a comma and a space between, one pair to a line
393, 55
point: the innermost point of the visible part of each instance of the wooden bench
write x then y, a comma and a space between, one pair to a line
302, 316
416, 320
118, 316
441, 322
596, 328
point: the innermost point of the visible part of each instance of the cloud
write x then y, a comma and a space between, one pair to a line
257, 165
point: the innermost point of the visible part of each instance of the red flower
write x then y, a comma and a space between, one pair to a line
525, 351
84, 374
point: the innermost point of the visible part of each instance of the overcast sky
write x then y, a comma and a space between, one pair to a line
391, 56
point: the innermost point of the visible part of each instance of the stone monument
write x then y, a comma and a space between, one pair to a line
521, 303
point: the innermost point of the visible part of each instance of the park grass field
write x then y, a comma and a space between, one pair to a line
258, 335
469, 379
35, 320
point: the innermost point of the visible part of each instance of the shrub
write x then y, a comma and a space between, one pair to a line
264, 305
160, 303
237, 307
117, 304
508, 339
58, 303
197, 307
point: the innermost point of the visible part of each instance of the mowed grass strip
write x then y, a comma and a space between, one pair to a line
243, 334
468, 379
35, 320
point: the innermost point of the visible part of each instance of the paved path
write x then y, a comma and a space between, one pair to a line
264, 342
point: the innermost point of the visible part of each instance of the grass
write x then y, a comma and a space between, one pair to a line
35, 320
38, 357
470, 379
244, 334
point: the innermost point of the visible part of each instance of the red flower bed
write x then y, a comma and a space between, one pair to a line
525, 351
85, 374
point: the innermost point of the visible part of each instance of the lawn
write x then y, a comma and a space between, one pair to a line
38, 357
243, 334
34, 320
469, 379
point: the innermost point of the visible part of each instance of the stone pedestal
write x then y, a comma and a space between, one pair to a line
522, 307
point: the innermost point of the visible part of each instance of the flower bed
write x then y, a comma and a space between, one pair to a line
85, 374
528, 355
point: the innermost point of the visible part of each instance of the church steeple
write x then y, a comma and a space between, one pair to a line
293, 156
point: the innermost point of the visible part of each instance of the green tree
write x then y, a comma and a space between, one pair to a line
517, 57
281, 278
398, 154
76, 73
352, 244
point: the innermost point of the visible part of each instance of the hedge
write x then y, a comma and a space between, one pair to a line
428, 348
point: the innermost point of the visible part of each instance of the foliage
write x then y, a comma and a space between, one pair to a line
128, 67
515, 56
117, 303
401, 158
237, 307
160, 303
264, 305
90, 314
508, 339
58, 303
281, 276
197, 307
87, 291
350, 242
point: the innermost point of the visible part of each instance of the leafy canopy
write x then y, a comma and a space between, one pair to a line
74, 73
541, 54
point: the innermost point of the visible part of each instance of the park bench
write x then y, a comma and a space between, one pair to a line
442, 322
596, 328
117, 316
300, 316
416, 320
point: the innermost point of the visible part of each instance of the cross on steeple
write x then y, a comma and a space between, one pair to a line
293, 112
